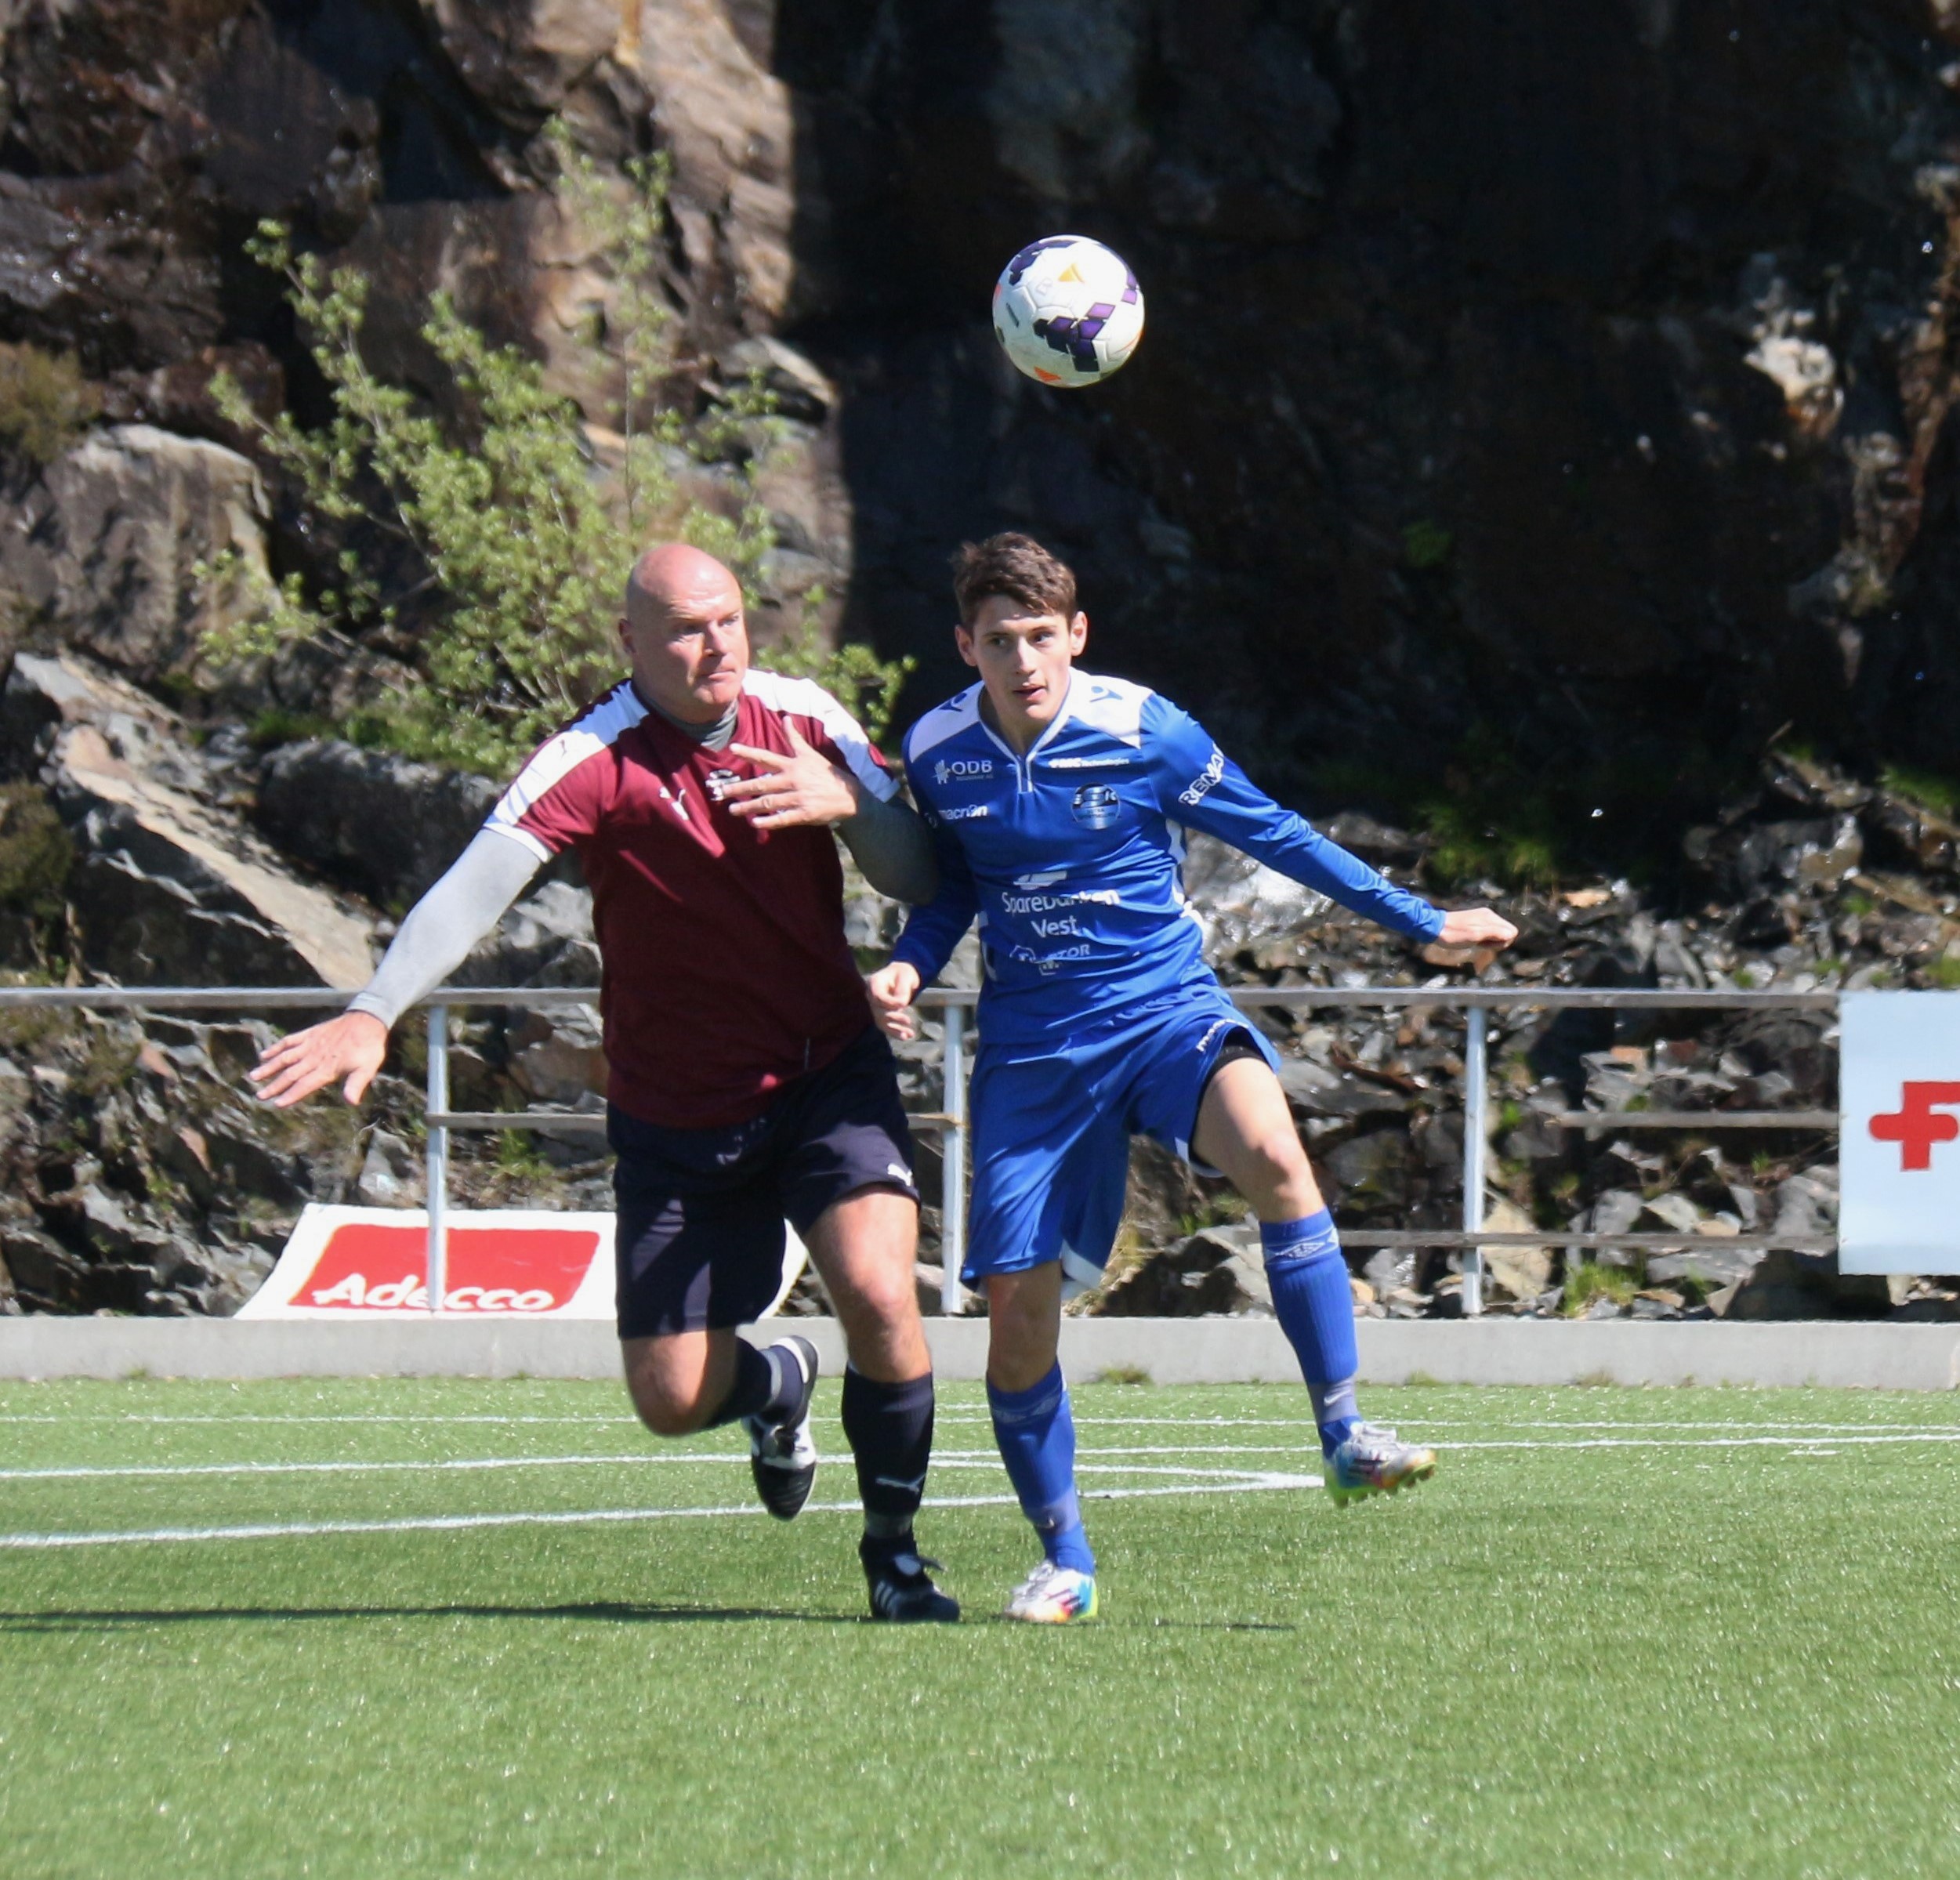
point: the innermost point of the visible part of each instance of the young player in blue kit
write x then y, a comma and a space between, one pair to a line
1056, 798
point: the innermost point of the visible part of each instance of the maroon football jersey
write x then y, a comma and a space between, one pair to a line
726, 970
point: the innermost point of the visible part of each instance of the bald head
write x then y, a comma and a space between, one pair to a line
675, 578
685, 633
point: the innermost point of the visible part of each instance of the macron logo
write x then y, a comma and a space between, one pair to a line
1046, 877
1918, 1123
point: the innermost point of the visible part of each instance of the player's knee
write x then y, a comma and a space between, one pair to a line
1275, 1159
881, 1291
890, 1296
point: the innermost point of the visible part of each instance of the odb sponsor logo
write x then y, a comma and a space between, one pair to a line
947, 771
1207, 780
1096, 806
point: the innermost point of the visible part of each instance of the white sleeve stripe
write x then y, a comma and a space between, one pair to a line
805, 698
552, 763
941, 723
517, 833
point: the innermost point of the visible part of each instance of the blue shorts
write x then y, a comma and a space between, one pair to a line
1051, 1128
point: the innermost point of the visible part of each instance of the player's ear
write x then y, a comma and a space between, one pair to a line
1078, 633
963, 638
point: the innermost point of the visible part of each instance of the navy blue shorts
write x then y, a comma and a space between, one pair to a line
699, 1240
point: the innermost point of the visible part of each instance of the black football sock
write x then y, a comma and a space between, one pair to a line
890, 1428
767, 1384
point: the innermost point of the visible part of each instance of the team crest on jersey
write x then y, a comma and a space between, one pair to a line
949, 770
717, 784
1096, 806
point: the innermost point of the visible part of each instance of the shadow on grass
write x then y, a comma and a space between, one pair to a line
614, 1612
611, 1611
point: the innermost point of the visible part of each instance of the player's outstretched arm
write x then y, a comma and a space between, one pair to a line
435, 939
887, 840
1200, 787
891, 990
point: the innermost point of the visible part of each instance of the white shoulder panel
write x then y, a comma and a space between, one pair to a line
805, 698
619, 710
959, 713
1113, 706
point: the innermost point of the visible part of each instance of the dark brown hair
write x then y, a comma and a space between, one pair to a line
1017, 565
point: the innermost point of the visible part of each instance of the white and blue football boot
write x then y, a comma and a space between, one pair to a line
1372, 1461
1054, 1596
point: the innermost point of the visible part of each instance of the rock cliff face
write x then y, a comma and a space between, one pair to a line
1579, 373
1545, 410
1580, 370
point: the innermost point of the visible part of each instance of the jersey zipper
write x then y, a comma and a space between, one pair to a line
1023, 763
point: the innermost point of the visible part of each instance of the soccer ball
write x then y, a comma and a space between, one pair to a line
1067, 311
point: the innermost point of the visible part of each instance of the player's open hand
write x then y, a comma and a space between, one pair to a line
351, 1046
803, 788
891, 990
1477, 927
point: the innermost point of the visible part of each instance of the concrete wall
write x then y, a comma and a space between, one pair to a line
1170, 1351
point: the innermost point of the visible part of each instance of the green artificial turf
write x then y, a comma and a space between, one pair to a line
1680, 1632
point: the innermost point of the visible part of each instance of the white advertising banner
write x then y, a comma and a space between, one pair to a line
1900, 1132
507, 1263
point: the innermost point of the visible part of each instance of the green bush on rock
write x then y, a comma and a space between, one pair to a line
492, 516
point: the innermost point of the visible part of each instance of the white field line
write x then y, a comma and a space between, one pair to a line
1491, 1423
955, 1458
599, 1422
1243, 1482
1769, 1442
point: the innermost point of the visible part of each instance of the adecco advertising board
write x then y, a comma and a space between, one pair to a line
1899, 1156
371, 1262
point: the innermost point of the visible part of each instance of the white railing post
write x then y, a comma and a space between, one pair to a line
436, 1165
1476, 1124
952, 1199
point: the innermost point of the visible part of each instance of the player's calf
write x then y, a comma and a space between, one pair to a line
890, 1428
1035, 1428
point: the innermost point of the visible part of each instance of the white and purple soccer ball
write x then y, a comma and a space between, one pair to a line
1067, 310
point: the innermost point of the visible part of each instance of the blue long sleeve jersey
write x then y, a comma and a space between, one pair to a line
1072, 856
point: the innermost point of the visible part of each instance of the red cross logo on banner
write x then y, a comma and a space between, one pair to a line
1918, 1123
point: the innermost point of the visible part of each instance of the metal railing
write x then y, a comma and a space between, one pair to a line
950, 1120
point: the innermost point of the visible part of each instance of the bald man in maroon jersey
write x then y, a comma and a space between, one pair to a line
746, 1079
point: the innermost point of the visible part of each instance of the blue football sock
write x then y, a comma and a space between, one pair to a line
1035, 1429
1315, 1306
